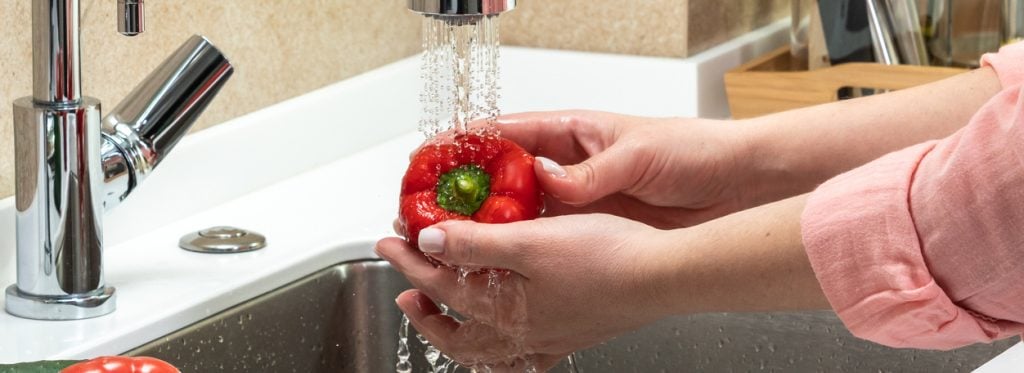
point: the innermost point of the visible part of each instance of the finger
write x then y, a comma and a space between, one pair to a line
468, 343
398, 227
469, 295
404, 258
544, 363
427, 318
443, 331
476, 245
438, 282
555, 134
603, 174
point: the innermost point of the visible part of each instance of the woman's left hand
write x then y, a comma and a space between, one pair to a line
575, 281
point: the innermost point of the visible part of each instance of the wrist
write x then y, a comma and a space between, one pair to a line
768, 162
753, 260
663, 267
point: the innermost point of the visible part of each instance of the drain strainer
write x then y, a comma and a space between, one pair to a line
223, 240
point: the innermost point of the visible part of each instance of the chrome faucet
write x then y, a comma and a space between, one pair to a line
71, 166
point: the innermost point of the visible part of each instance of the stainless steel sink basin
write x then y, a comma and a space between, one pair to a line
343, 319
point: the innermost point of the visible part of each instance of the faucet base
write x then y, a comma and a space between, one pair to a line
68, 307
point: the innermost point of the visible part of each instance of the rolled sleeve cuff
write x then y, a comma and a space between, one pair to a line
1007, 64
861, 240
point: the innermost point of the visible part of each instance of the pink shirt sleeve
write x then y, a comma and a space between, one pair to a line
924, 247
1007, 64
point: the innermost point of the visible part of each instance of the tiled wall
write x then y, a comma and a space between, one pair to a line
282, 49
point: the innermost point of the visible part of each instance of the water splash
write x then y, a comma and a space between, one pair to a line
439, 362
573, 363
506, 295
403, 365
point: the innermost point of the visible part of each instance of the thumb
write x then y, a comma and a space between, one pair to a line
471, 244
601, 175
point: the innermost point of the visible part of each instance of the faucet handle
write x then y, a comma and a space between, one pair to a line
131, 17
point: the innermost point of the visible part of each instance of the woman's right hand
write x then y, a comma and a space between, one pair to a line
666, 172
568, 283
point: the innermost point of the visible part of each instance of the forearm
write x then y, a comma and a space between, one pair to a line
790, 153
753, 260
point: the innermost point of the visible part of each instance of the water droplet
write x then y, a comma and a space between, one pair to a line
463, 274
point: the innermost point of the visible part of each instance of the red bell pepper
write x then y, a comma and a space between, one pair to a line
120, 364
484, 178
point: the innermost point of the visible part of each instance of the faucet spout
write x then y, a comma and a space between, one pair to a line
143, 128
461, 8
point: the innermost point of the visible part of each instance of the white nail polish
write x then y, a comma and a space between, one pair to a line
431, 240
551, 167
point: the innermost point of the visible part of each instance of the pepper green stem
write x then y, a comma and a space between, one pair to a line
463, 189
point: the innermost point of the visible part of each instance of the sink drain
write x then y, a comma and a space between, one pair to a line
223, 240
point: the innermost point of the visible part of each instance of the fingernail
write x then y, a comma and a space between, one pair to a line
378, 251
425, 305
551, 167
432, 240
418, 298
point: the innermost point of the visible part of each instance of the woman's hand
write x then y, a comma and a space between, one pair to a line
668, 172
578, 280
575, 281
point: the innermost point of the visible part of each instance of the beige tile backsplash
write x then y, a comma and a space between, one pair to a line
714, 21
668, 28
282, 49
646, 27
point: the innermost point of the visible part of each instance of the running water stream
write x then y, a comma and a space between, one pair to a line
460, 86
459, 72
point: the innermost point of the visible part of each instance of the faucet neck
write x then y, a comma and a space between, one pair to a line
56, 57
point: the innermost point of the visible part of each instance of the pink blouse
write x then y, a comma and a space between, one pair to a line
924, 247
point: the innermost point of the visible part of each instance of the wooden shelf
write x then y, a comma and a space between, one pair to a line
774, 82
